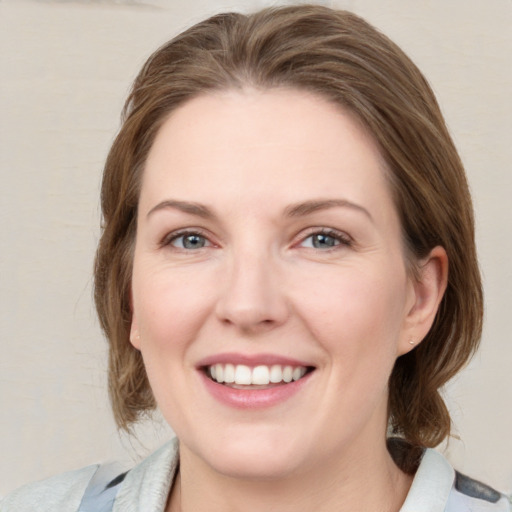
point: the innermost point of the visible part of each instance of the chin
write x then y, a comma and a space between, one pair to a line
254, 465
254, 457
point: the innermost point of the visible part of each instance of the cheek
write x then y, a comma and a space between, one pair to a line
356, 314
169, 308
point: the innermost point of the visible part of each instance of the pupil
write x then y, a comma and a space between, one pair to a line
323, 241
193, 242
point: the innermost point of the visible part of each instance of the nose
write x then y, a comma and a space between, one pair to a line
252, 298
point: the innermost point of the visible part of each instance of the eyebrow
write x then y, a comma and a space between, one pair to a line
294, 210
187, 207
309, 207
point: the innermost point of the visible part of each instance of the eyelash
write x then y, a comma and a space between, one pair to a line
176, 235
341, 238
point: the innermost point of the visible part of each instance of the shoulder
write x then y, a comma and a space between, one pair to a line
101, 487
62, 492
469, 495
437, 487
146, 486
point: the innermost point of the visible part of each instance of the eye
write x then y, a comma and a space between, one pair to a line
325, 239
189, 241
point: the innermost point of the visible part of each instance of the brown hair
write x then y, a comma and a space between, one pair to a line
339, 56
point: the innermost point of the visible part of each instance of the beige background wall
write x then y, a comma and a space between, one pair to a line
65, 68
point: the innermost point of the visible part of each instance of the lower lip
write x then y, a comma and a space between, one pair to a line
253, 398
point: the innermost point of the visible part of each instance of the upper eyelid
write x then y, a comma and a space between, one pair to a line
324, 231
173, 235
301, 236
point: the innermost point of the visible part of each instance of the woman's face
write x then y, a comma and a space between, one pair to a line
268, 248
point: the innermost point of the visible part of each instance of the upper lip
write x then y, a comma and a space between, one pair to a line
251, 360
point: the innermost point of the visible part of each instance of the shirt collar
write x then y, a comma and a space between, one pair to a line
431, 486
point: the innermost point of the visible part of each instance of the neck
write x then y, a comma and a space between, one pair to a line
359, 481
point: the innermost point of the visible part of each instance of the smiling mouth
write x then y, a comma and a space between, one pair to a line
241, 376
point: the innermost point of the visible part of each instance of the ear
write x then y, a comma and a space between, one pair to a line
134, 330
134, 334
427, 289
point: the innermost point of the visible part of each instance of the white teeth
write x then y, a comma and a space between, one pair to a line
229, 373
219, 373
276, 374
243, 375
298, 373
261, 375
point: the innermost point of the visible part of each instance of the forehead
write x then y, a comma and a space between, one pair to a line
250, 143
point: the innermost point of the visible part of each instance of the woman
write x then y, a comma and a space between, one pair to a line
287, 269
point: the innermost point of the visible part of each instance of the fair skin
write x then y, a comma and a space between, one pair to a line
267, 237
